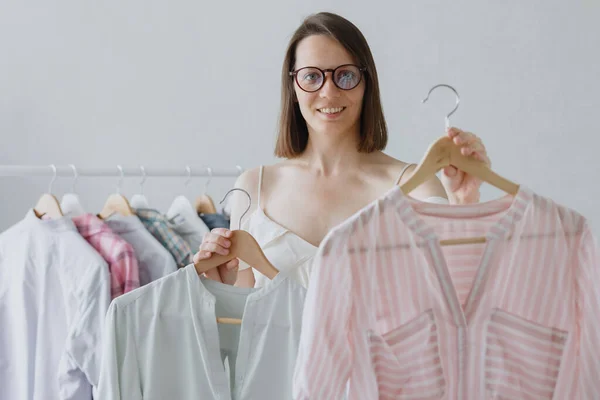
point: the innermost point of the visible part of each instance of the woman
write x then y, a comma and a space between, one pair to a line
332, 132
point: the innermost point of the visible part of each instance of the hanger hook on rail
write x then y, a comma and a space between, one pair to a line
54, 175
249, 203
210, 175
75, 177
189, 176
455, 107
144, 177
122, 176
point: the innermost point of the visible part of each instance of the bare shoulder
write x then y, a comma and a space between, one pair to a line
282, 171
248, 180
387, 166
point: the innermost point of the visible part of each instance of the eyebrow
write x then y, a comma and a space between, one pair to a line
298, 66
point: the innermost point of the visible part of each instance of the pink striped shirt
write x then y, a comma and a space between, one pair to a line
120, 256
400, 317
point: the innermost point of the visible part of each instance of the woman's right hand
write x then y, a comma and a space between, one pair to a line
217, 241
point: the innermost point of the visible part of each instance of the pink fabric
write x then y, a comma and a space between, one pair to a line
119, 254
398, 316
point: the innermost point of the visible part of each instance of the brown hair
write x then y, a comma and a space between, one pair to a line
293, 132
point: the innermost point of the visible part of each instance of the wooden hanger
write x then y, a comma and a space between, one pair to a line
442, 153
204, 203
116, 203
48, 204
244, 247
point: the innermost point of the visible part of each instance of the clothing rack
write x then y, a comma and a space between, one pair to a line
68, 171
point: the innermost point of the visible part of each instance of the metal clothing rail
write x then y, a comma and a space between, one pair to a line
71, 171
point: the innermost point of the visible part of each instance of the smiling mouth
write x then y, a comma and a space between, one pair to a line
331, 111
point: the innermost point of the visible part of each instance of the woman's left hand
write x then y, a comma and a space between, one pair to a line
461, 187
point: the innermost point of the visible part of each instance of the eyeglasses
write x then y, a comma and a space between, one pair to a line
345, 77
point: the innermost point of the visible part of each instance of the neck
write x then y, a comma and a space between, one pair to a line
332, 154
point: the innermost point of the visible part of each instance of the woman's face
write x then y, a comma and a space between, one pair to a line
329, 110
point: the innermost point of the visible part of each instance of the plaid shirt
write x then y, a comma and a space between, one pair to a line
119, 254
158, 225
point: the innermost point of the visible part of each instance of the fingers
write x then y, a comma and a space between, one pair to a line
213, 248
474, 147
233, 264
471, 144
215, 243
453, 132
461, 137
219, 237
222, 232
228, 275
450, 171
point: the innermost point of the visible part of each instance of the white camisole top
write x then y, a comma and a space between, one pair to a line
283, 248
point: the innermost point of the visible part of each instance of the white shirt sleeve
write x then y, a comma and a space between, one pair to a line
80, 361
119, 375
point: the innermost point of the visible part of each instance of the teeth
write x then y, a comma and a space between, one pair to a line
331, 110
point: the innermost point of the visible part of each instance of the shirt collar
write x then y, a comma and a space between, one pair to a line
57, 225
512, 207
204, 284
182, 224
149, 214
123, 224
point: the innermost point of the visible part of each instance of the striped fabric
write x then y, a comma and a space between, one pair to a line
120, 256
158, 225
407, 359
390, 314
524, 354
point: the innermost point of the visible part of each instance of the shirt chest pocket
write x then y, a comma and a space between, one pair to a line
407, 361
522, 358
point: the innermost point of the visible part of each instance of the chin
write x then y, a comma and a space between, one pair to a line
332, 129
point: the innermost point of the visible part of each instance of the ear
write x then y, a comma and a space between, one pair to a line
292, 88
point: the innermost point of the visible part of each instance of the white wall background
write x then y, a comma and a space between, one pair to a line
170, 83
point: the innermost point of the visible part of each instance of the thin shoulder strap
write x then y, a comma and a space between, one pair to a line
406, 167
260, 177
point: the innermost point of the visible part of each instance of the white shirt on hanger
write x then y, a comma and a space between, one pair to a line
154, 260
163, 340
71, 205
185, 221
54, 293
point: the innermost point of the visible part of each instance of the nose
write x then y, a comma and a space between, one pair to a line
329, 90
